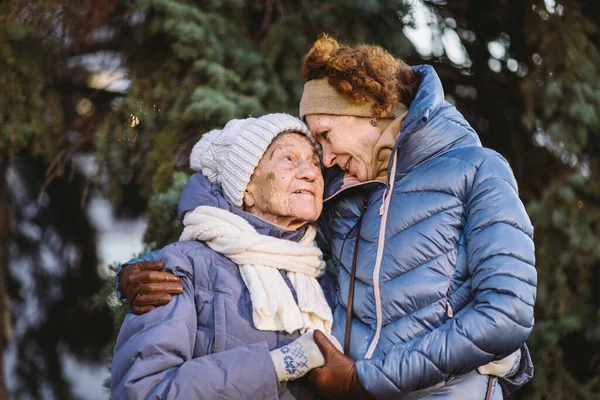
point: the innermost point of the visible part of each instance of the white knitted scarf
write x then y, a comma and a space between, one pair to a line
259, 258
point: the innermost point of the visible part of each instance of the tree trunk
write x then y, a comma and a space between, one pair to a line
5, 226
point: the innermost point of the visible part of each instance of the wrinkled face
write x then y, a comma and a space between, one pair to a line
287, 186
347, 142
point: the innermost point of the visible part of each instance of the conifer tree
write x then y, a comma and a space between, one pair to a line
192, 66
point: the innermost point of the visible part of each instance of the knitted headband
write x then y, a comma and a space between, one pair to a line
319, 97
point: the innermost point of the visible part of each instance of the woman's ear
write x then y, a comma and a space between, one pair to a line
248, 199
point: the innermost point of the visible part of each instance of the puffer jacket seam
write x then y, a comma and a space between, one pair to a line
450, 293
497, 177
500, 310
441, 154
499, 156
225, 294
473, 188
424, 327
191, 254
510, 276
427, 191
367, 284
506, 255
379, 368
204, 289
438, 367
470, 340
467, 127
363, 239
228, 271
450, 156
492, 223
459, 244
150, 326
506, 293
421, 220
411, 315
421, 264
211, 266
215, 292
234, 339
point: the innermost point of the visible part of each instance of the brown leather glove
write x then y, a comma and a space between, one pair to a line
336, 379
147, 286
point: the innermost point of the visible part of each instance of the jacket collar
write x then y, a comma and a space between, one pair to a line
199, 191
422, 138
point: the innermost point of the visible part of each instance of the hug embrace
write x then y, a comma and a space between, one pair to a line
371, 249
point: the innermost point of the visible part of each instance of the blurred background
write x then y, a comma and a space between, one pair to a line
101, 102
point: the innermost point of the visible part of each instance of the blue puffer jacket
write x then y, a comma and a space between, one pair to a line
203, 344
446, 278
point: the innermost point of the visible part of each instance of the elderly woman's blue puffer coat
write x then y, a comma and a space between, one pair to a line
203, 344
446, 278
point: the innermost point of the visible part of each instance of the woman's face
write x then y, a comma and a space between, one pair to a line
347, 142
287, 186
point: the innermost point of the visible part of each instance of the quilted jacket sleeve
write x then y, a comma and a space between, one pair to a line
153, 357
501, 261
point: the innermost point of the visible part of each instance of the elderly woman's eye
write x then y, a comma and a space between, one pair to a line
287, 158
324, 135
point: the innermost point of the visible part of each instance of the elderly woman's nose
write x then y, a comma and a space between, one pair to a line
308, 171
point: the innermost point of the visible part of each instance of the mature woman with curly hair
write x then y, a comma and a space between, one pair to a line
432, 247
430, 243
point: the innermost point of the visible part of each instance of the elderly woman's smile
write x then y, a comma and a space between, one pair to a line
286, 188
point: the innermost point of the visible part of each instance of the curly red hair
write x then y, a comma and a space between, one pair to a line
363, 69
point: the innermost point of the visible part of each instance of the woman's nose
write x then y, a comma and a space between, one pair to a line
328, 158
308, 171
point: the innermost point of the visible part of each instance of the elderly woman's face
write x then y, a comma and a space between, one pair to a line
348, 142
287, 186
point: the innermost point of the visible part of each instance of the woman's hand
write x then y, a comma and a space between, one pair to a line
146, 286
337, 379
501, 368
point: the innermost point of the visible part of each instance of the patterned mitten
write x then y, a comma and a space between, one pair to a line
294, 360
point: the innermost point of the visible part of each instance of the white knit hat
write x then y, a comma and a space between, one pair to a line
228, 157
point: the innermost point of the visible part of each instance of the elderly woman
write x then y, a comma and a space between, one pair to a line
248, 265
430, 243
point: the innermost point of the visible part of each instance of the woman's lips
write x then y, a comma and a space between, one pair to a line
304, 192
347, 166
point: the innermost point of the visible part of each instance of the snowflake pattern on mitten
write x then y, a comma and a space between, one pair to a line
296, 363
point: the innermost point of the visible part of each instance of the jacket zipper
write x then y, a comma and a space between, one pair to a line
383, 211
383, 200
